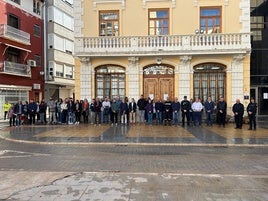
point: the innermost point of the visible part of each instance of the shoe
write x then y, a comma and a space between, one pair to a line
250, 129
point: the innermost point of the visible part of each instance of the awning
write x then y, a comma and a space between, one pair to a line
9, 45
261, 10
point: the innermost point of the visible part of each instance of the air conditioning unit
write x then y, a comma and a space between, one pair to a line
31, 63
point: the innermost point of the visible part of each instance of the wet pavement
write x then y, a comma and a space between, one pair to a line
140, 134
87, 162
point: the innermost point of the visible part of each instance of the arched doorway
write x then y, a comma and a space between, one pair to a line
209, 80
110, 81
158, 81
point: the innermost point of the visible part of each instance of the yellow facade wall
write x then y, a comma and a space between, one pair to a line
183, 20
183, 17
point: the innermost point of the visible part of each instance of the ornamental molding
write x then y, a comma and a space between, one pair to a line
185, 59
85, 60
226, 2
133, 60
238, 59
173, 2
95, 2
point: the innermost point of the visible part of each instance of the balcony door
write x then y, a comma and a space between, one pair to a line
158, 82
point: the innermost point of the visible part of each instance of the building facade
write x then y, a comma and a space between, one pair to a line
163, 48
21, 52
259, 55
59, 32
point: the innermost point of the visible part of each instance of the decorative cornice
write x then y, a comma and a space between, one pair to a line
95, 2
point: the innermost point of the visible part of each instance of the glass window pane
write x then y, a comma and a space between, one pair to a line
110, 79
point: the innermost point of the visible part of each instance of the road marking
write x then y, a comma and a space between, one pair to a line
20, 154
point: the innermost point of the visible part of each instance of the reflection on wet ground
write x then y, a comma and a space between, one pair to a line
86, 133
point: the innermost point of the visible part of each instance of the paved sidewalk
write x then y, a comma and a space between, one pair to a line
139, 187
140, 134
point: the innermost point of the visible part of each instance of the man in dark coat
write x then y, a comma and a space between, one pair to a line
238, 110
252, 110
185, 110
221, 111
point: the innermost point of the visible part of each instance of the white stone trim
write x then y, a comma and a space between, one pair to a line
85, 78
173, 2
245, 17
133, 77
184, 76
78, 22
95, 2
238, 77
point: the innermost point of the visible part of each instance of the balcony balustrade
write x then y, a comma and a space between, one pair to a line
15, 69
163, 45
14, 34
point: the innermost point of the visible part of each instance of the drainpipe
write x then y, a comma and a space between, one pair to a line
45, 40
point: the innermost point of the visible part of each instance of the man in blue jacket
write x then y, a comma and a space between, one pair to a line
32, 107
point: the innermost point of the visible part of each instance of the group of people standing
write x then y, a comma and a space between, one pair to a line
117, 111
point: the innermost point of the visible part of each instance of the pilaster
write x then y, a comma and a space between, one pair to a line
86, 78
237, 77
184, 76
133, 77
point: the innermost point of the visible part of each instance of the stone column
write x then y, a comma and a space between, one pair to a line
237, 77
133, 77
85, 78
184, 77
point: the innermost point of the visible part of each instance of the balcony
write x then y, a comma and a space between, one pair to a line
15, 69
14, 34
163, 45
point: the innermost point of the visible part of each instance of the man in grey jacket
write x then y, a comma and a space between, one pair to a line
52, 111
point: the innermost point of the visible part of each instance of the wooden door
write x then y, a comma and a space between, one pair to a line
158, 87
166, 88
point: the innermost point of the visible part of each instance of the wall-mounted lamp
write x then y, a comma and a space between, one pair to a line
42, 73
199, 31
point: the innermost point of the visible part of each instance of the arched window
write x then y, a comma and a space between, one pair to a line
209, 80
110, 81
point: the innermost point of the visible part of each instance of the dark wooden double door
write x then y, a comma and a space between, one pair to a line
158, 86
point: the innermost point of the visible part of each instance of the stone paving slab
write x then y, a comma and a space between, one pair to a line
143, 187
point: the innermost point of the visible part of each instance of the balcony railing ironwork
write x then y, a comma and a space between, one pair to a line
13, 68
12, 33
166, 44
